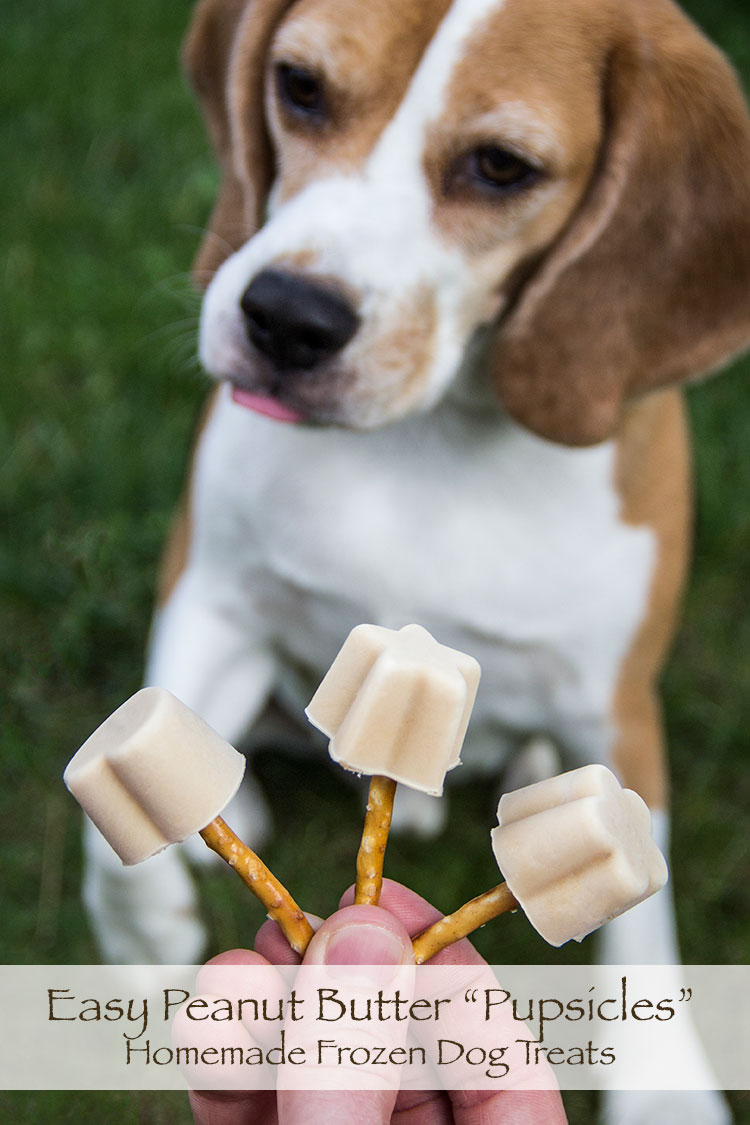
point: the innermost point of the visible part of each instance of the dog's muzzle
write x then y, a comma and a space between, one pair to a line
294, 323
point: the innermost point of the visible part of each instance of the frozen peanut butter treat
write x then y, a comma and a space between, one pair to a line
395, 705
153, 774
576, 851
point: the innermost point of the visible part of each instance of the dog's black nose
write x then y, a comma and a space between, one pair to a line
296, 323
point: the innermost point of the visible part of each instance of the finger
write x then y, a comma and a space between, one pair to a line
508, 1107
360, 935
214, 975
416, 914
423, 1107
212, 1108
356, 935
335, 1107
218, 1107
271, 943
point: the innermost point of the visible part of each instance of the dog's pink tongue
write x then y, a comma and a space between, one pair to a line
263, 404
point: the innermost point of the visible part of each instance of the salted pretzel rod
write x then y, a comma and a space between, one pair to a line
262, 882
463, 922
153, 774
395, 705
374, 840
576, 850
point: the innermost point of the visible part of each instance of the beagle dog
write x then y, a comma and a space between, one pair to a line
462, 253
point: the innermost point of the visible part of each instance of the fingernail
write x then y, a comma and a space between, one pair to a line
364, 944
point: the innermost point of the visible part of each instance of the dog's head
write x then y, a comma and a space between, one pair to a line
568, 182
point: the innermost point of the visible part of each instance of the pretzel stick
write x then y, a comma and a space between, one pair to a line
374, 840
462, 922
264, 885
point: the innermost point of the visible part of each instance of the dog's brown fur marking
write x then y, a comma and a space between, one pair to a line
674, 171
174, 558
653, 435
365, 56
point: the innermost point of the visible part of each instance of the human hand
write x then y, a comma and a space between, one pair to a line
370, 935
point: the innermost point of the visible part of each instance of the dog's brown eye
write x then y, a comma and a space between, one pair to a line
502, 169
300, 90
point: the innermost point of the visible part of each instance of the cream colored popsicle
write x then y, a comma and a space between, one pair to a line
395, 705
576, 850
153, 774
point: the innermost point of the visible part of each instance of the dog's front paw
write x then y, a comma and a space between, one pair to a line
418, 813
665, 1107
537, 760
142, 915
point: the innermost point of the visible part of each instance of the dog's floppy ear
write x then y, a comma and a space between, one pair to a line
214, 66
650, 283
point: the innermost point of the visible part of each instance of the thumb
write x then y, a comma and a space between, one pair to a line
356, 935
360, 935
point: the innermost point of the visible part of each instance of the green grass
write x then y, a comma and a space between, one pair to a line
106, 181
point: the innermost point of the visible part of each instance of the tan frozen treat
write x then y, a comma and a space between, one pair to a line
152, 774
396, 703
576, 851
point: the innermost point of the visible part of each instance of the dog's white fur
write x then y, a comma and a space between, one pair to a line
425, 501
330, 556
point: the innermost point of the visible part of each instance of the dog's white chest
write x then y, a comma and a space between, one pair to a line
500, 543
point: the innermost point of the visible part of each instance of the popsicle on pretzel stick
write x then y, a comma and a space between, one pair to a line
576, 851
153, 774
395, 705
